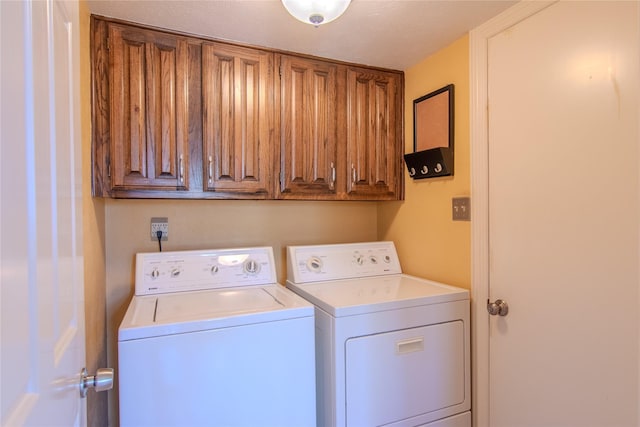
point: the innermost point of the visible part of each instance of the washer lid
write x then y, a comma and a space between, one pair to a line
370, 294
182, 312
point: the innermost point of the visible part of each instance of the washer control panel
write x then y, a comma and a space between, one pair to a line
162, 272
343, 261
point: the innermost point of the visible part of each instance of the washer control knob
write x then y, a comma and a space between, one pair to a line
214, 269
314, 264
387, 259
251, 266
359, 259
373, 259
155, 273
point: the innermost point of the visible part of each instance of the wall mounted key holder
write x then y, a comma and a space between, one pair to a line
432, 135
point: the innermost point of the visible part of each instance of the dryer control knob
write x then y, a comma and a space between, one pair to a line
314, 264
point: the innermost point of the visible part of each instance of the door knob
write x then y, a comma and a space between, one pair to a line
499, 307
101, 381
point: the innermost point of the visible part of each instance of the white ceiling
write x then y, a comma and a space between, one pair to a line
392, 34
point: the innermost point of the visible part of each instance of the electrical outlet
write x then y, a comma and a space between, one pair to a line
159, 224
461, 208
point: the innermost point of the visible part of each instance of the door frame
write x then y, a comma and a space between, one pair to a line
479, 143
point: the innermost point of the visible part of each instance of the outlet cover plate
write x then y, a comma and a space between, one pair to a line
160, 224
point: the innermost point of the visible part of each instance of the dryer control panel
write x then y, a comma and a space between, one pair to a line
343, 261
162, 272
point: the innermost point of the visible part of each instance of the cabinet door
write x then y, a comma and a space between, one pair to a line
148, 104
374, 134
237, 86
308, 128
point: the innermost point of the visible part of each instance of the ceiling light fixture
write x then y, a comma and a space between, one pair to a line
316, 12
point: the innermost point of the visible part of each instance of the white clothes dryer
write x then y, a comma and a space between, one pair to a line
391, 349
211, 339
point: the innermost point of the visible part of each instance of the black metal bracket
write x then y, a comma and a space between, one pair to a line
430, 163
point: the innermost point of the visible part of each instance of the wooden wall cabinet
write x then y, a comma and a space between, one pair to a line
148, 109
340, 131
309, 112
374, 129
176, 116
237, 93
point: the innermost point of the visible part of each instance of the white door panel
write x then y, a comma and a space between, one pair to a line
42, 278
562, 197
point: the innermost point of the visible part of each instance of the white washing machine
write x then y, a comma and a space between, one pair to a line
391, 349
211, 339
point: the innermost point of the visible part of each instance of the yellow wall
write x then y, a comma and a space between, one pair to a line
429, 243
93, 222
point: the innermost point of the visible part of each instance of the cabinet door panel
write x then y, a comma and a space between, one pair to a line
162, 106
147, 109
221, 95
384, 137
308, 114
360, 128
238, 103
128, 110
248, 118
373, 135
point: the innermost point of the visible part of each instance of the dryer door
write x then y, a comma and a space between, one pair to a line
406, 377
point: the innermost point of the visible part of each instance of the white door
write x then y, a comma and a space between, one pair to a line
42, 347
561, 228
